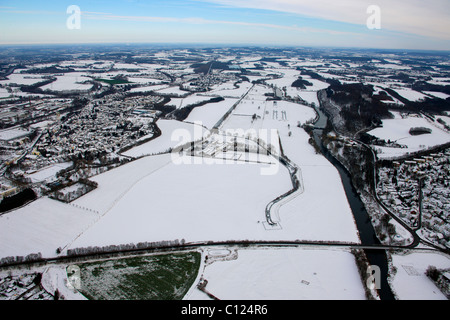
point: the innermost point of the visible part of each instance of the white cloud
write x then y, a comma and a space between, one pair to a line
195, 20
426, 18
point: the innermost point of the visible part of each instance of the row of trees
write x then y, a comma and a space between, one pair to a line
124, 247
33, 257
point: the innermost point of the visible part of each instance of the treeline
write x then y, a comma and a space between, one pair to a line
161, 106
300, 83
33, 257
429, 105
86, 187
213, 65
36, 88
18, 200
52, 69
363, 265
124, 247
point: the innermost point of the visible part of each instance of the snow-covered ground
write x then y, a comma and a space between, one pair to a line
22, 79
190, 100
55, 278
150, 88
173, 91
12, 134
281, 274
440, 95
114, 184
167, 140
4, 93
211, 113
69, 81
42, 226
229, 90
410, 281
231, 208
410, 94
197, 202
397, 129
322, 211
48, 172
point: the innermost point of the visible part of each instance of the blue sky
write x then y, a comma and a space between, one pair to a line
405, 24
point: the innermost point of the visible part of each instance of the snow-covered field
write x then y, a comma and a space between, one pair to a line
397, 129
15, 133
41, 226
229, 90
167, 139
289, 76
4, 93
143, 80
410, 281
440, 95
322, 211
69, 81
410, 94
173, 91
190, 100
210, 113
114, 184
22, 79
196, 202
282, 274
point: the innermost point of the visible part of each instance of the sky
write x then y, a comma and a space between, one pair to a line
395, 24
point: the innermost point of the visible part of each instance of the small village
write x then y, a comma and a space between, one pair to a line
417, 191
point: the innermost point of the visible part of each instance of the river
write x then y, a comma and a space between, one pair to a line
363, 222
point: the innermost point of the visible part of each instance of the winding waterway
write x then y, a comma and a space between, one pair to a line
366, 231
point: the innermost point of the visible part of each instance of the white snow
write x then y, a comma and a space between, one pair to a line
12, 134
48, 172
397, 129
4, 93
410, 281
149, 88
210, 113
69, 81
164, 142
22, 79
314, 219
190, 100
440, 95
197, 202
173, 91
410, 94
41, 226
55, 277
283, 274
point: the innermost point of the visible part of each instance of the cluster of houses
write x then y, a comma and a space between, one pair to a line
103, 127
23, 287
418, 192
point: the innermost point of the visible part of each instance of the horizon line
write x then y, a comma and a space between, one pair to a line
223, 45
